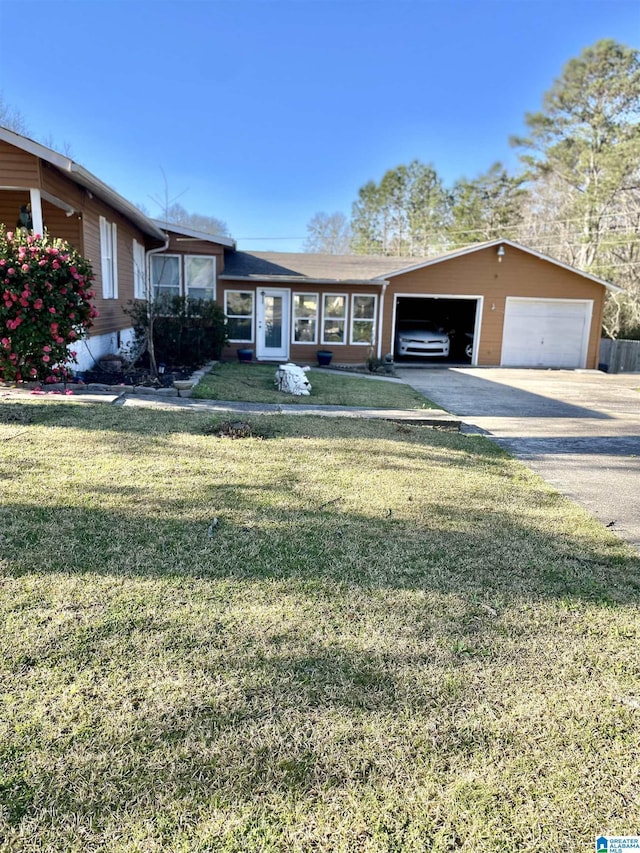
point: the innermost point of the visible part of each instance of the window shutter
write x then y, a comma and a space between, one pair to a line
105, 258
114, 260
139, 277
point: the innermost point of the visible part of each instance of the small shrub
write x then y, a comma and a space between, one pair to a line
185, 331
45, 306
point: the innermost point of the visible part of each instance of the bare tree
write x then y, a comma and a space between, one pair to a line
329, 234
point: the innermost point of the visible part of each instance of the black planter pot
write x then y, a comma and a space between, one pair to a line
245, 355
324, 357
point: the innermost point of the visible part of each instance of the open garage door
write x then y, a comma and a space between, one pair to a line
457, 318
546, 332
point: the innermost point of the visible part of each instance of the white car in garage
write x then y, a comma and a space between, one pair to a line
423, 340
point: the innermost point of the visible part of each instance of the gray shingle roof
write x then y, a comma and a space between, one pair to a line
313, 266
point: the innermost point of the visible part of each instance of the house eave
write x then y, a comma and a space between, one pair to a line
83, 178
478, 247
193, 234
296, 279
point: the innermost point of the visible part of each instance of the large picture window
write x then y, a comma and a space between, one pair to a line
200, 276
363, 319
334, 318
238, 307
165, 276
305, 318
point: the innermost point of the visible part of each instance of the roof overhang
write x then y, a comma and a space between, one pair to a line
192, 234
478, 247
85, 179
302, 279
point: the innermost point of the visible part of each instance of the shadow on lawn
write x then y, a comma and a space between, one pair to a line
479, 553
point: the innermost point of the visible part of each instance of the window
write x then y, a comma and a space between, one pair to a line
238, 306
363, 319
334, 318
165, 276
200, 276
139, 277
109, 258
305, 318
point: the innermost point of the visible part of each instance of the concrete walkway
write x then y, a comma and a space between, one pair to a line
579, 430
425, 417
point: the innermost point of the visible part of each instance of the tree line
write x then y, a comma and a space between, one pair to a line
575, 197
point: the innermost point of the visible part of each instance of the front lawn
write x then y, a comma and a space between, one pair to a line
338, 636
255, 383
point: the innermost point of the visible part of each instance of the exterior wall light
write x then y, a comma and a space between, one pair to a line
500, 253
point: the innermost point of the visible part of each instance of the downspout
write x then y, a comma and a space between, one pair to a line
385, 284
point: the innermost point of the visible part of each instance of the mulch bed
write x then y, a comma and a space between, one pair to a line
136, 376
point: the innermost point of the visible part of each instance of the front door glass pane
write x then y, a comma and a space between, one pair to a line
273, 322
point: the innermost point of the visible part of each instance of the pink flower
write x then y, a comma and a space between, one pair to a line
52, 310
59, 340
46, 358
11, 270
46, 349
72, 334
55, 265
38, 304
25, 267
6, 343
69, 392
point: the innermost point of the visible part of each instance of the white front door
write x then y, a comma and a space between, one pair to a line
272, 338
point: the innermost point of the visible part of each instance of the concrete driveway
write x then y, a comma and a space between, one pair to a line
579, 430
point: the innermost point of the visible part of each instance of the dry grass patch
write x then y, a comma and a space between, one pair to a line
388, 641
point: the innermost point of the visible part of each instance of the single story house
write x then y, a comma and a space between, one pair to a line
518, 307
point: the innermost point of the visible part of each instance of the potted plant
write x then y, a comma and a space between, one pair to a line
324, 357
387, 363
245, 355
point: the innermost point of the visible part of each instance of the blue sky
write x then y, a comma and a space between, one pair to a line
264, 113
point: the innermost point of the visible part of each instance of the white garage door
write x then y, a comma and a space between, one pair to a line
546, 332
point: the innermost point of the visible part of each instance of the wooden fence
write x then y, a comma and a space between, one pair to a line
620, 356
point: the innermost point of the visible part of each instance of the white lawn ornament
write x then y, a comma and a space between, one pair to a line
293, 380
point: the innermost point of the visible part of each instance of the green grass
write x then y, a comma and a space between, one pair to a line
255, 383
350, 636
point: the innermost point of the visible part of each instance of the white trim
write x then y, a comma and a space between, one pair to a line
83, 177
109, 258
295, 293
373, 319
229, 242
343, 342
211, 258
139, 276
262, 350
588, 303
36, 211
477, 325
481, 246
252, 316
160, 288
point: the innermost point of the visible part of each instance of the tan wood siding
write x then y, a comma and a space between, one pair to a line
111, 314
18, 168
306, 353
480, 273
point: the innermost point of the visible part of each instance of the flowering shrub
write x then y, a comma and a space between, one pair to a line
44, 306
